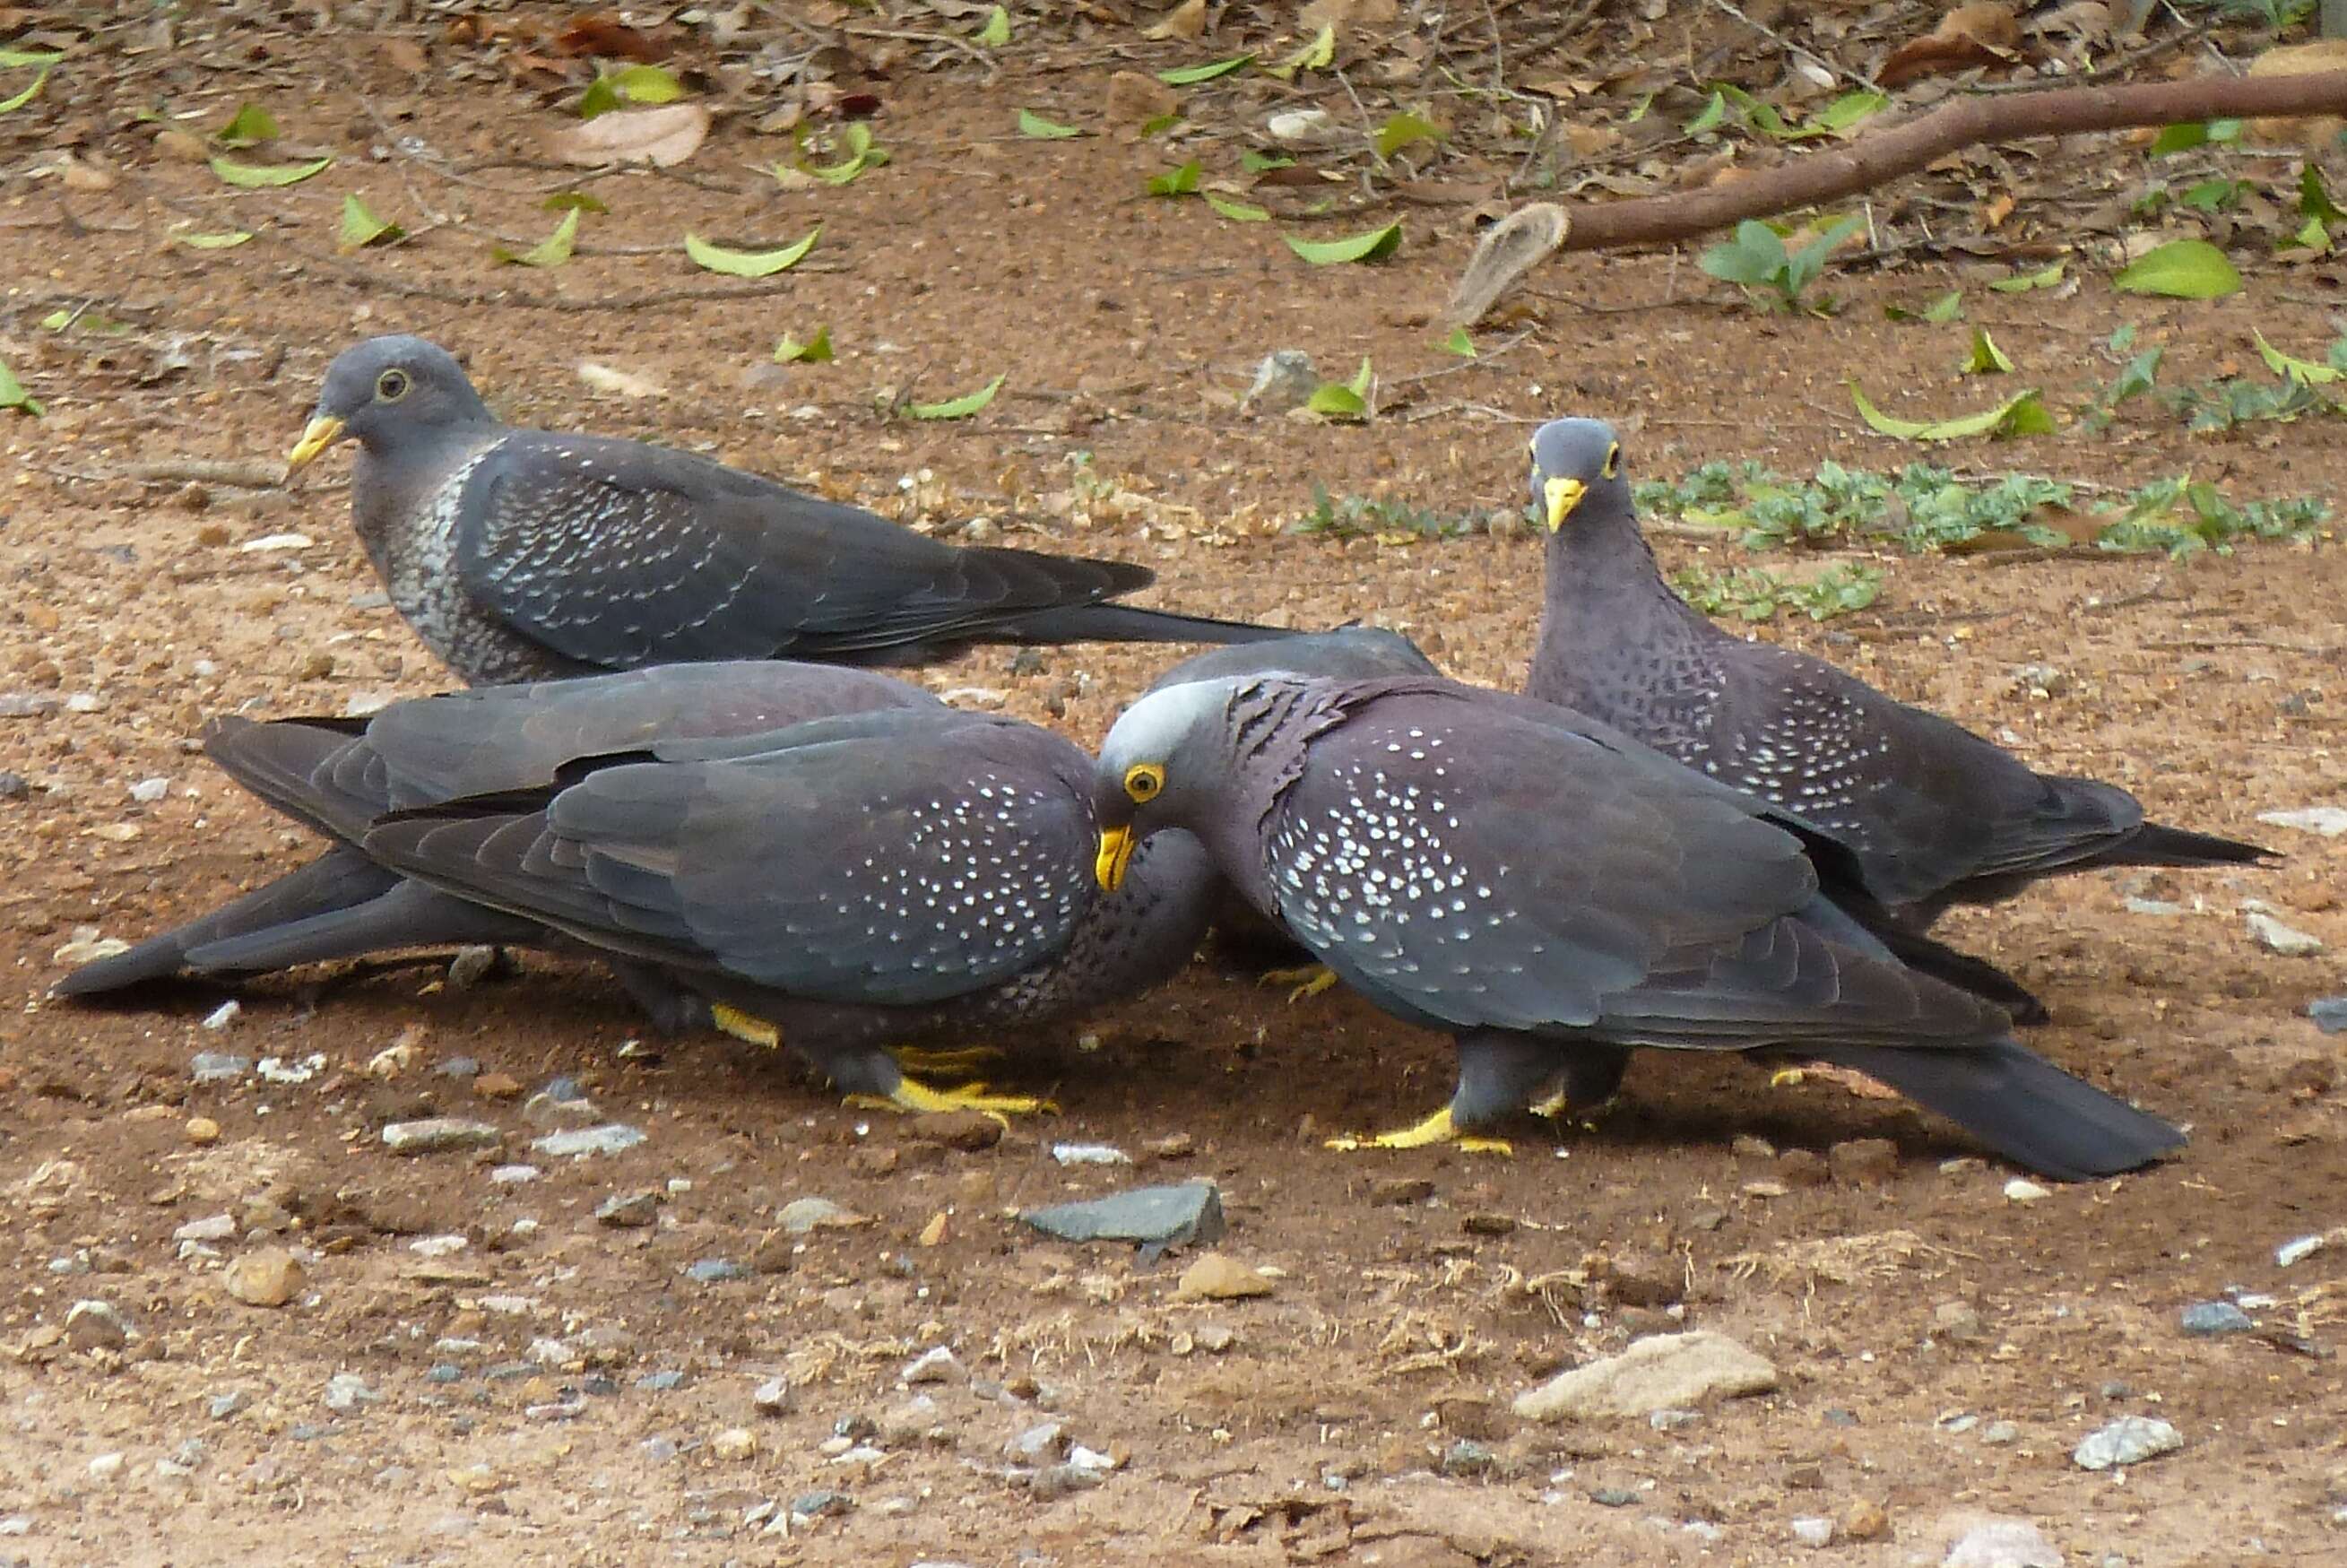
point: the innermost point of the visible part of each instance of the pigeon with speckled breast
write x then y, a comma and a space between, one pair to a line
1936, 814
523, 554
1553, 894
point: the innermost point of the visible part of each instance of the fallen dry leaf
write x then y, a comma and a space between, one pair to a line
1343, 13
1187, 20
2315, 132
607, 37
1136, 98
604, 378
1983, 33
662, 137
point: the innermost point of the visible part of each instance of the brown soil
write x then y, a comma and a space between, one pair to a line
1126, 327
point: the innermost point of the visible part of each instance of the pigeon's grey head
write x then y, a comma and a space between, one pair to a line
1161, 766
1574, 460
387, 387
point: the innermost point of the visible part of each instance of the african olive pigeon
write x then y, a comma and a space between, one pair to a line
1553, 894
521, 554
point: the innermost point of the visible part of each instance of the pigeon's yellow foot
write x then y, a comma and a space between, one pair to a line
947, 1062
912, 1095
1787, 1078
1309, 980
1436, 1129
745, 1026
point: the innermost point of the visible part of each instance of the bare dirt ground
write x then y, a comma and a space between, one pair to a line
546, 1389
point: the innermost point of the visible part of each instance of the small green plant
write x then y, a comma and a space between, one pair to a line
1757, 259
2215, 407
1755, 594
1366, 517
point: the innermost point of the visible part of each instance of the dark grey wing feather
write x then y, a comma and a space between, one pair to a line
616, 553
1345, 654
1486, 871
903, 868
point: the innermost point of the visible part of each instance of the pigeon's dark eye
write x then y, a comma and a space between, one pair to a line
391, 385
1613, 457
1144, 780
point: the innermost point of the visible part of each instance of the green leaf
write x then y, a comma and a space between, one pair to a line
2180, 270
997, 31
1986, 358
855, 141
1181, 181
1159, 125
250, 127
1403, 129
1753, 257
1710, 116
1237, 212
817, 350
1459, 343
573, 201
1315, 55
1366, 247
252, 175
630, 85
1034, 125
2305, 372
227, 242
1948, 307
14, 395
361, 227
550, 251
12, 59
2213, 195
10, 106
1190, 76
2021, 282
1256, 162
2021, 414
1335, 400
88, 320
748, 264
2314, 198
2173, 138
1848, 110
956, 407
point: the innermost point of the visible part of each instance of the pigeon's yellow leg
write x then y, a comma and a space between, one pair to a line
912, 1095
1787, 1078
1436, 1129
1309, 980
947, 1062
745, 1026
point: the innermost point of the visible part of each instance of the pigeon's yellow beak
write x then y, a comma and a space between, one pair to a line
1562, 495
320, 434
1115, 855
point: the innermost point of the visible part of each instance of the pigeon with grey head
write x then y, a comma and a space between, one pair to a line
1936, 814
1554, 894
523, 553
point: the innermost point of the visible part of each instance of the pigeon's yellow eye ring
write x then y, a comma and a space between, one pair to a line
1143, 781
1613, 457
391, 385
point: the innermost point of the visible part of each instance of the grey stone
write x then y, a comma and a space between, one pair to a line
2209, 1318
1613, 1496
1285, 380
14, 785
659, 1382
817, 1504
715, 1271
802, 1216
218, 1067
347, 1393
1673, 1421
471, 966
1662, 1371
2001, 1543
2130, 1440
2276, 936
439, 1135
234, 1402
577, 1144
1060, 1480
1810, 1529
211, 1227
459, 1067
1173, 1215
935, 1365
1467, 1457
96, 1325
1996, 1434
2330, 1014
772, 1397
629, 1211
2330, 821
1039, 1444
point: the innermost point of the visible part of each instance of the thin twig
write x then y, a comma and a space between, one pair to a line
1791, 47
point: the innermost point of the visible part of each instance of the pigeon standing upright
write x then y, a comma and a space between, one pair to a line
1936, 814
523, 553
1554, 894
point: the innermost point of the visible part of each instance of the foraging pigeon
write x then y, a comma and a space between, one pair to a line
1936, 814
336, 776
1553, 894
888, 878
521, 554
1345, 654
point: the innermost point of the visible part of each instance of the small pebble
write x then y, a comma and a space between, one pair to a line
659, 1382
459, 1067
936, 1365
2328, 1013
2296, 1251
471, 966
147, 792
1673, 1421
218, 1067
2209, 1318
347, 1392
1038, 1444
439, 1135
772, 1397
269, 1277
1811, 1531
106, 1467
227, 1013
1467, 1457
201, 1129
802, 1215
2002, 1543
211, 1227
1865, 1519
1089, 1155
514, 1176
234, 1402
577, 1144
14, 785
1613, 1496
2130, 1440
629, 1211
733, 1444
96, 1325
715, 1271
2275, 937
1217, 1277
1060, 1480
2020, 1190
817, 1504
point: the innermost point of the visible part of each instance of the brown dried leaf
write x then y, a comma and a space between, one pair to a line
1981, 33
2313, 133
1343, 13
662, 136
1187, 20
600, 34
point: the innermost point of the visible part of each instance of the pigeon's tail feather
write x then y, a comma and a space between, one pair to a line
409, 914
2019, 1105
2157, 844
1130, 623
336, 880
